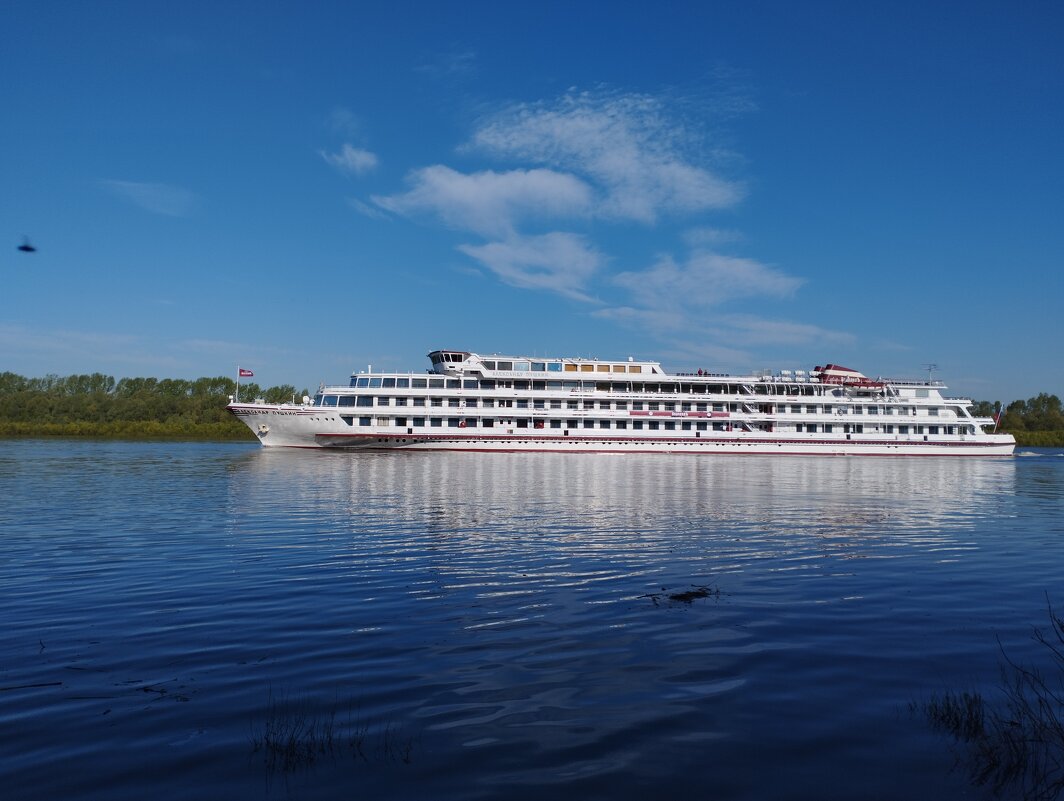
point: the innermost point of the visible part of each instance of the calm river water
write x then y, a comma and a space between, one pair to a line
186, 621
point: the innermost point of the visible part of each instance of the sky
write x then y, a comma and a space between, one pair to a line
308, 189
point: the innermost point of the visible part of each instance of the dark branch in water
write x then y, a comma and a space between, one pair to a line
1019, 742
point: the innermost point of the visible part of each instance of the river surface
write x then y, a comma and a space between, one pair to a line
184, 621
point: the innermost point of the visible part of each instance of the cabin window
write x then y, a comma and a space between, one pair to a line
539, 367
539, 403
554, 367
637, 405
603, 368
400, 421
347, 400
539, 386
454, 383
570, 368
653, 406
589, 404
521, 385
383, 401
587, 368
621, 424
589, 424
701, 426
505, 365
555, 423
329, 400
436, 422
435, 383
670, 426
470, 403
419, 422
638, 424
903, 429
932, 429
361, 382
487, 383
669, 407
488, 402
654, 425
572, 423
555, 403
399, 401
651, 388
521, 366
522, 403
388, 382
488, 365
622, 405
453, 422
364, 421
453, 402
619, 368
685, 426
827, 428
375, 382
570, 404
701, 407
604, 423
402, 383
419, 383
364, 400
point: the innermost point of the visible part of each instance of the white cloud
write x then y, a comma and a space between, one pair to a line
366, 209
628, 146
489, 203
707, 279
558, 262
172, 201
351, 160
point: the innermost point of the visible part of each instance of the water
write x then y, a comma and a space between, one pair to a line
481, 626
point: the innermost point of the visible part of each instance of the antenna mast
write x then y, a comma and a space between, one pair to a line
930, 370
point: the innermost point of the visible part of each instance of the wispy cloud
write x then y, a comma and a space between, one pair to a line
628, 146
559, 262
489, 203
705, 280
453, 63
351, 160
172, 201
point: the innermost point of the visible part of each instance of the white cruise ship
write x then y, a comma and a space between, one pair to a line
516, 403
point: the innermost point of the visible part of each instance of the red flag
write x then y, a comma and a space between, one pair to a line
246, 373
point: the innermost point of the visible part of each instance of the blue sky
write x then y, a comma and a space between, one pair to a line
305, 189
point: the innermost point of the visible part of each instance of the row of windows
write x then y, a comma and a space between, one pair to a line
379, 382
558, 403
523, 403
524, 422
622, 425
557, 367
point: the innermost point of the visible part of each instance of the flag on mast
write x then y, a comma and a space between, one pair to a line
245, 373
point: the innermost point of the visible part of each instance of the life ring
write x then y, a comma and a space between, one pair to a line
462, 424
264, 430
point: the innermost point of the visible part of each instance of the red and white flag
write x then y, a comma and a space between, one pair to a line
245, 373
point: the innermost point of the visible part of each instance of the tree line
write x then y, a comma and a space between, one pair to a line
97, 405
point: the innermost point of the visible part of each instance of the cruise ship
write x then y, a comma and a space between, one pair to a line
470, 402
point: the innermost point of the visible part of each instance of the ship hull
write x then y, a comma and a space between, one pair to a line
312, 427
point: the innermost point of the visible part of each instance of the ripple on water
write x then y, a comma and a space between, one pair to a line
508, 618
